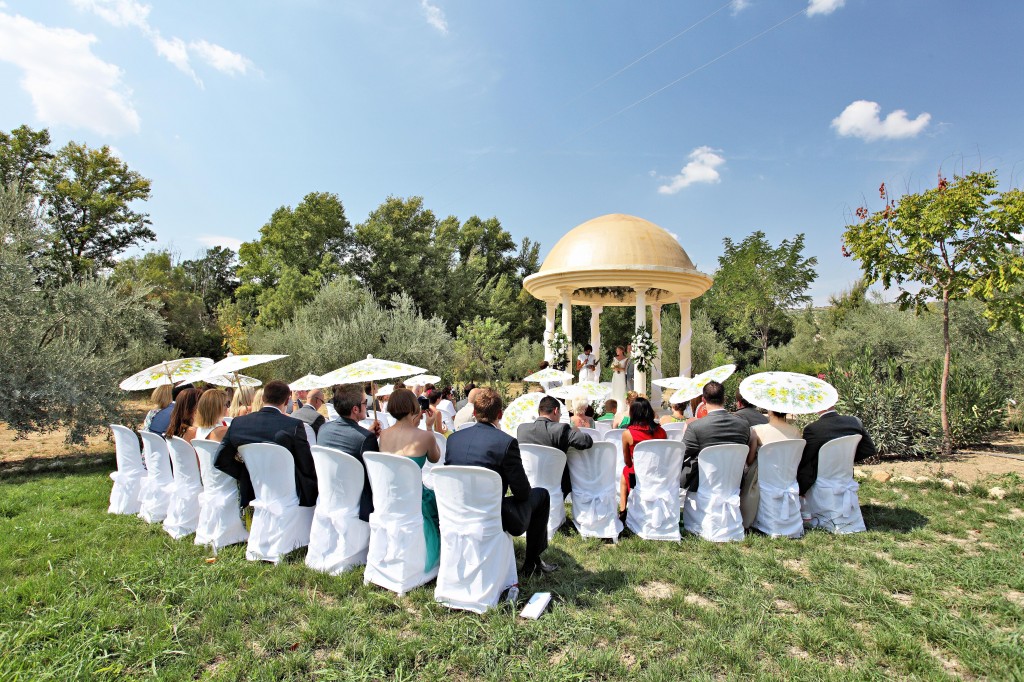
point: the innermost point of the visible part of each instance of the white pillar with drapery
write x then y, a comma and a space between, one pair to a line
656, 365
685, 334
549, 328
567, 329
640, 378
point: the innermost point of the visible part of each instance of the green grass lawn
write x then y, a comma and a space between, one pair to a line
934, 589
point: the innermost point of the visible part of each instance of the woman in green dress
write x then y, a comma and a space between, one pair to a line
407, 439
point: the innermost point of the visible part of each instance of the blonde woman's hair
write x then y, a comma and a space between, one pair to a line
161, 396
241, 399
579, 405
257, 400
210, 409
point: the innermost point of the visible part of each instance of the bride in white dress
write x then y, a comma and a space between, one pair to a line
619, 375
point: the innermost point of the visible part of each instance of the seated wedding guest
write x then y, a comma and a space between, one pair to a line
484, 444
677, 415
465, 399
748, 412
829, 426
698, 409
310, 412
369, 389
643, 425
465, 413
347, 435
719, 427
160, 420
408, 439
549, 430
446, 405
579, 417
209, 416
775, 429
180, 423
269, 425
610, 406
622, 418
439, 417
161, 400
297, 400
241, 402
257, 401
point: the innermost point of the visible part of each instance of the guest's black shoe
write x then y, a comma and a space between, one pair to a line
538, 569
622, 516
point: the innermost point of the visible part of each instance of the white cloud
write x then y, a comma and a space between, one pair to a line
68, 84
220, 58
435, 16
823, 6
863, 119
738, 6
131, 13
701, 168
212, 240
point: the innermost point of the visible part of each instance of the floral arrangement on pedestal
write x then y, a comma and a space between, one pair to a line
644, 350
559, 347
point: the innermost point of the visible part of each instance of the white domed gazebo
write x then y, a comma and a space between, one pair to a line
619, 260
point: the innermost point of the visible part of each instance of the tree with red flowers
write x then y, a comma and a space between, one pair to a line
958, 240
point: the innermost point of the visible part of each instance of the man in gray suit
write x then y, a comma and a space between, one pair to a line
719, 427
548, 430
629, 367
347, 435
748, 412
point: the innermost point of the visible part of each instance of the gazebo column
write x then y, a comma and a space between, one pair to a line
656, 365
549, 327
595, 332
685, 333
567, 328
640, 378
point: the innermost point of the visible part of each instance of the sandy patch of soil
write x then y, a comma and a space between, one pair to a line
1005, 455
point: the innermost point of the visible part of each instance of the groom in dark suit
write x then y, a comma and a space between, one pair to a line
829, 426
485, 445
269, 425
550, 431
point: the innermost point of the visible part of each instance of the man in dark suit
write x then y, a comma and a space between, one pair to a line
549, 430
347, 435
829, 426
269, 425
308, 412
719, 427
630, 367
485, 445
748, 412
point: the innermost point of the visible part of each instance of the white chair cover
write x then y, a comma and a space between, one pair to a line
183, 508
428, 466
594, 434
465, 425
614, 436
398, 550
714, 511
832, 501
154, 496
595, 491
220, 518
602, 427
652, 510
124, 495
778, 511
478, 560
338, 540
279, 524
544, 466
675, 430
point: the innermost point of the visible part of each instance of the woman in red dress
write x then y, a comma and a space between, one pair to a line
643, 425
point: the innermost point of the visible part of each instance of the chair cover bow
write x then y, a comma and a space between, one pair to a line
463, 543
275, 507
659, 504
590, 505
847, 488
399, 532
788, 497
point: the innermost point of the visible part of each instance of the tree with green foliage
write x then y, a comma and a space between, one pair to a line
755, 285
23, 154
957, 240
212, 276
67, 345
299, 250
87, 197
480, 347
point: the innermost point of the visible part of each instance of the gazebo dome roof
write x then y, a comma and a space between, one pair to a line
616, 240
607, 259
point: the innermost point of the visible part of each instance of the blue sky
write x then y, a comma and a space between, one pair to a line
709, 118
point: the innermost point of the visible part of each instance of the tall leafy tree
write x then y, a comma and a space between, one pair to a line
957, 240
88, 197
212, 276
23, 154
755, 284
299, 250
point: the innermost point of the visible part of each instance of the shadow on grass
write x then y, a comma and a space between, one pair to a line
75, 465
572, 584
892, 519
